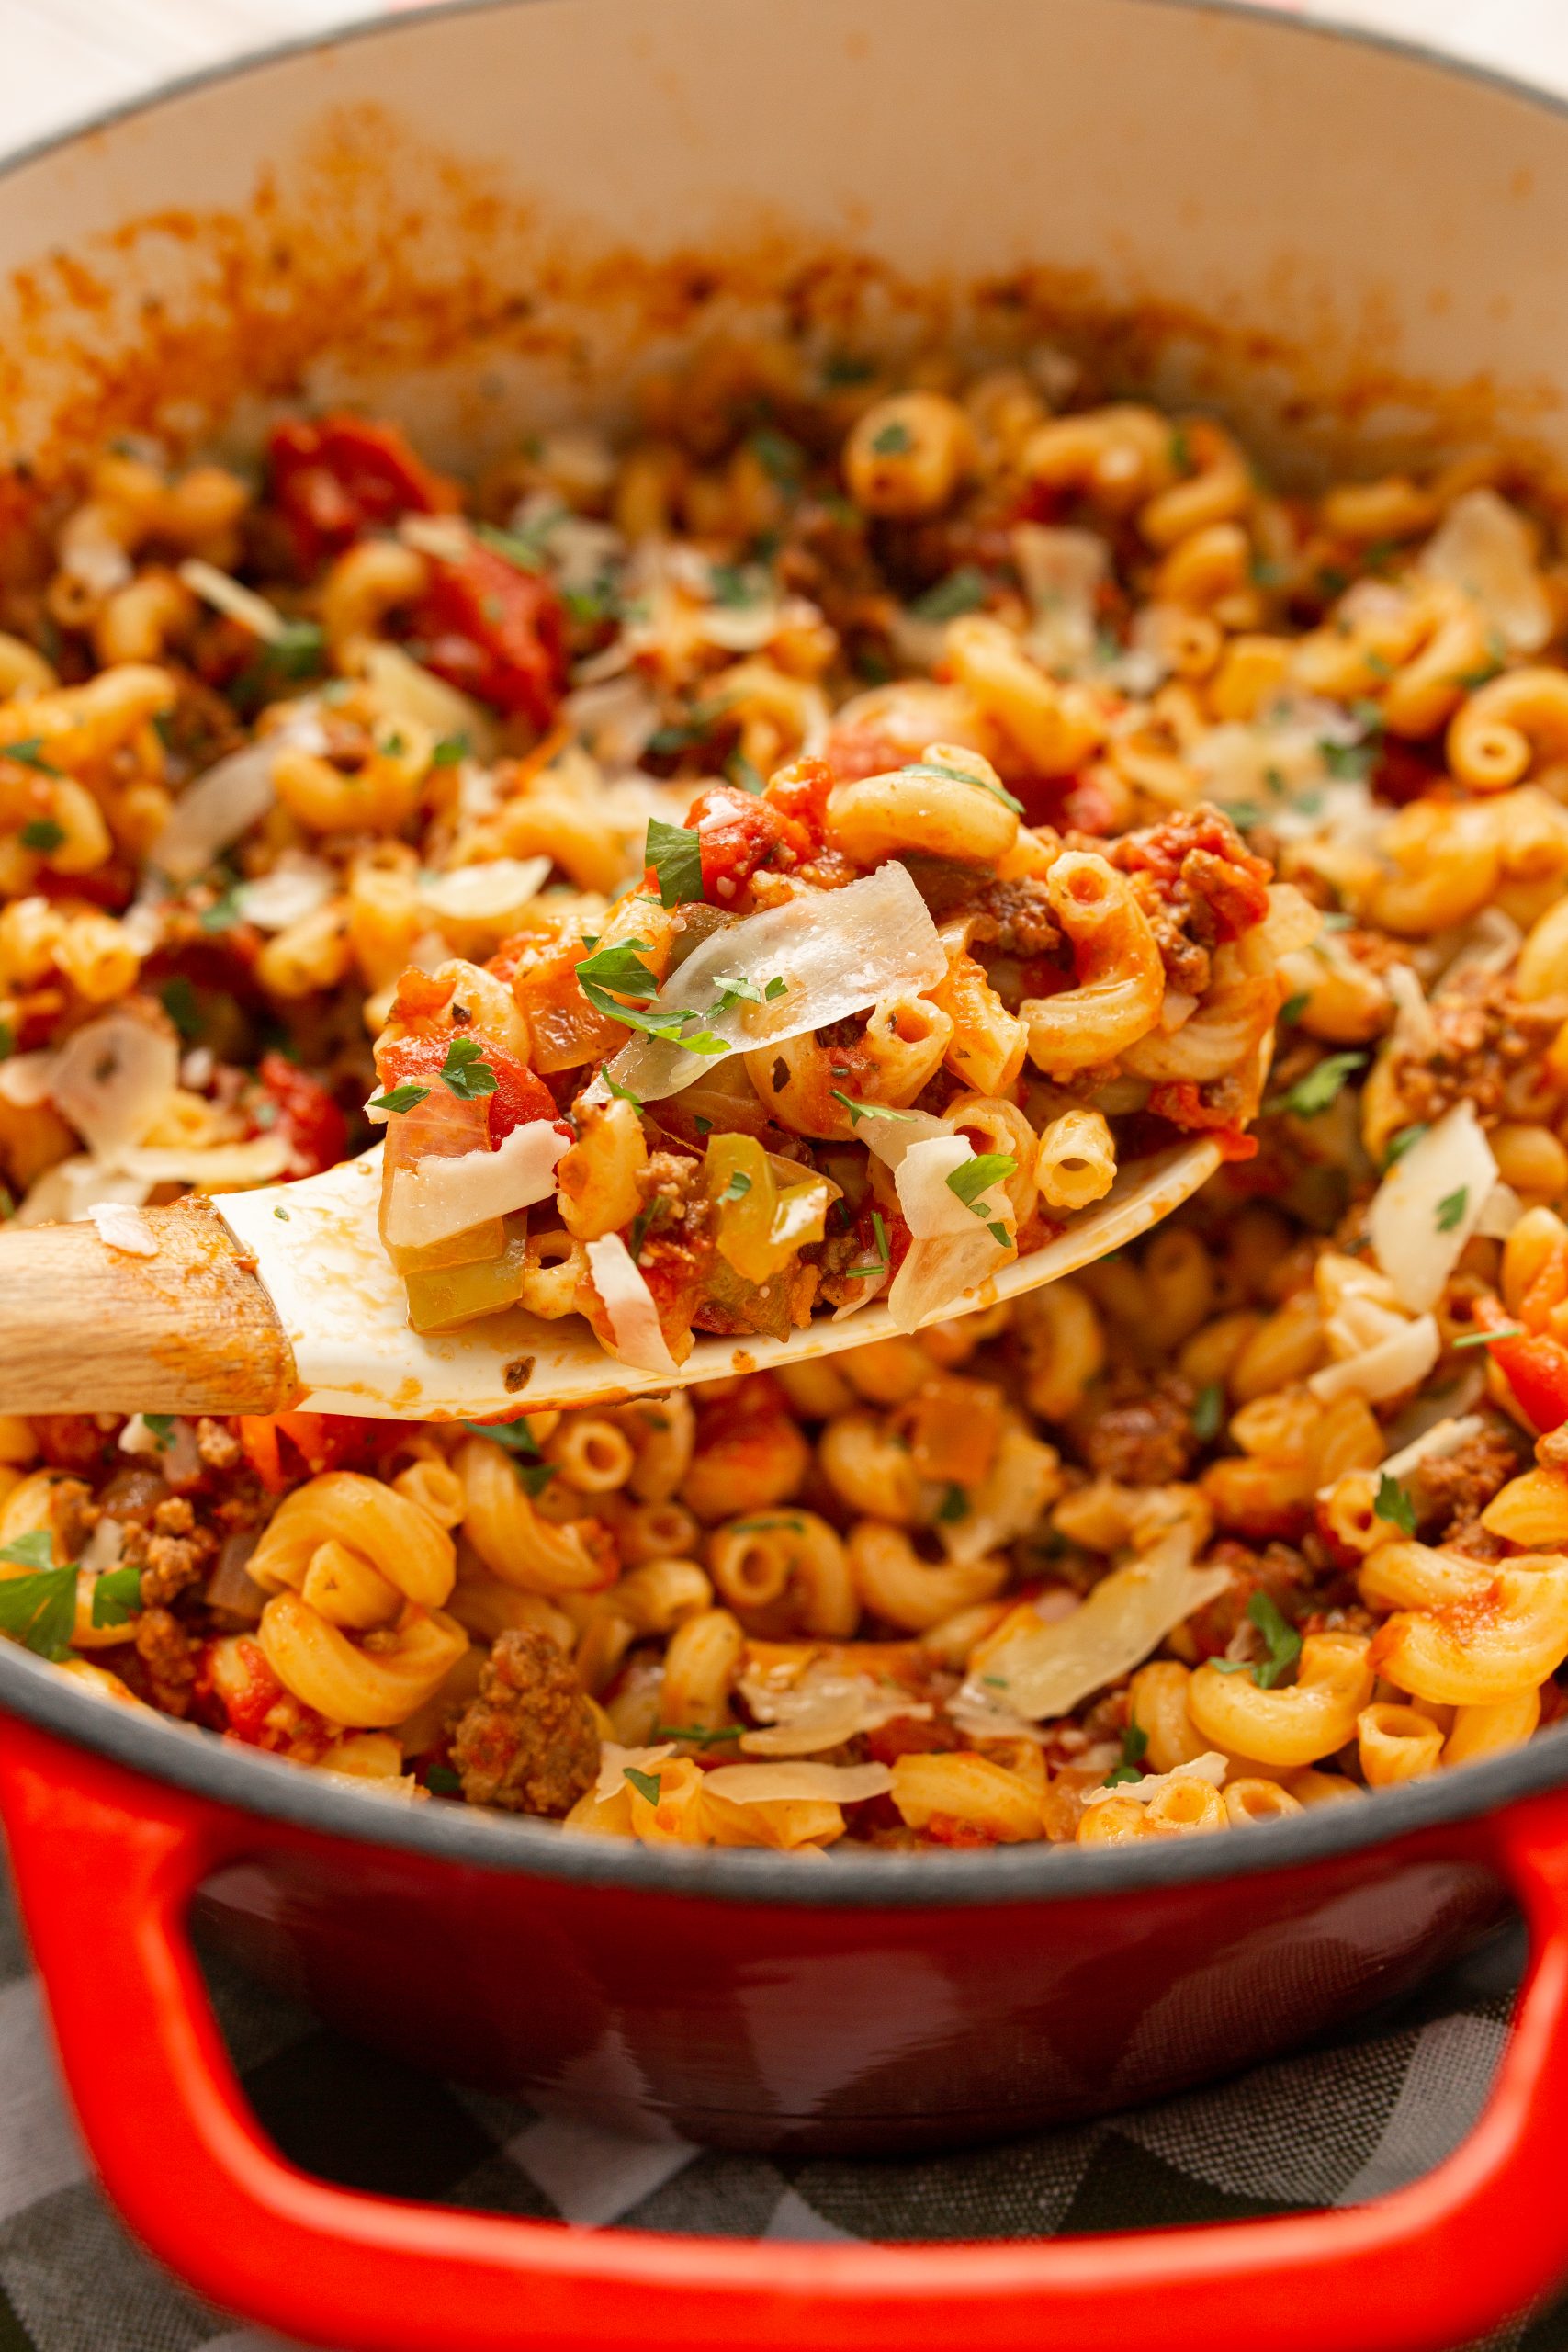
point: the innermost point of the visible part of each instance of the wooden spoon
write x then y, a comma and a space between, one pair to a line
284, 1297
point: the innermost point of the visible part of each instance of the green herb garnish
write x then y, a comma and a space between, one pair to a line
402, 1098
675, 854
974, 1177
465, 1072
1283, 1641
1395, 1504
1451, 1209
1312, 1096
1208, 1411
1135, 1745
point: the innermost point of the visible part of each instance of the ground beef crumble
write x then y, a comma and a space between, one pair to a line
1482, 1035
528, 1743
1142, 1434
1450, 1490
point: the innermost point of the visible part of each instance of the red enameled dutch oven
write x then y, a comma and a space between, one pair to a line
480, 215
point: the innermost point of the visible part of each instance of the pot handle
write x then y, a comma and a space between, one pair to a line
106, 1862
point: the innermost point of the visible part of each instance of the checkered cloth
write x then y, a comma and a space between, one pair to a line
1350, 2118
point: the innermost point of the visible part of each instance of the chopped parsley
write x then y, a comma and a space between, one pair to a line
516, 1439
1135, 1745
962, 776
647, 1785
43, 835
622, 1093
766, 1524
281, 1213
1281, 1639
1348, 763
973, 1178
28, 753
179, 999
1451, 1209
737, 1189
1312, 1096
694, 1736
402, 1098
1295, 1006
654, 1214
161, 1426
1395, 1504
893, 440
733, 586
953, 1506
675, 854
7, 1041
620, 970
877, 1265
1208, 1411
780, 458
442, 1781
224, 912
116, 1597
37, 1609
963, 590
465, 1072
743, 774
859, 1111
1180, 450
449, 750
524, 553
1484, 1338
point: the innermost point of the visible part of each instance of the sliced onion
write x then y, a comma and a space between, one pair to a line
297, 885
628, 1304
838, 951
494, 893
112, 1078
1482, 547
1210, 1767
1046, 1670
437, 1196
1429, 1205
123, 1229
799, 1783
231, 1587
231, 798
1386, 1368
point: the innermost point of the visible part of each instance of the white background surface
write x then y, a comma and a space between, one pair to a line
64, 58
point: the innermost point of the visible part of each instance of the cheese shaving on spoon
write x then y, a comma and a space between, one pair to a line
837, 951
633, 1318
437, 1196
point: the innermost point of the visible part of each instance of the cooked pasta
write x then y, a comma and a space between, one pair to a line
724, 865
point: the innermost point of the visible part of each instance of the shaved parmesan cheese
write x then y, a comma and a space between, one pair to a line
296, 887
1434, 1445
1046, 1670
837, 951
822, 1710
66, 1192
614, 1760
124, 1228
616, 717
493, 893
231, 798
1414, 1029
1062, 571
404, 688
436, 1197
26, 1079
937, 1276
111, 1080
1386, 1368
1500, 1212
227, 594
1483, 547
215, 1167
634, 1322
1429, 1204
799, 1783
1024, 1478
1211, 1768
931, 1205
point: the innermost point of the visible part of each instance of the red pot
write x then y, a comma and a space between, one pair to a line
475, 215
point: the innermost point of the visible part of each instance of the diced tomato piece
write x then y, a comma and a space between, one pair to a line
1182, 1104
283, 1448
862, 751
519, 1098
1536, 1368
309, 1120
342, 476
737, 832
1237, 897
800, 791
1071, 803
496, 633
241, 1702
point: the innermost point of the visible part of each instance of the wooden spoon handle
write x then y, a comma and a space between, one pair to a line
84, 1329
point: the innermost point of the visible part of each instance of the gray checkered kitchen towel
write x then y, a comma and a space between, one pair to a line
1346, 2120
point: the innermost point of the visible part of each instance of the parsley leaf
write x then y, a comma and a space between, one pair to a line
515, 1436
779, 456
675, 854
1134, 1743
647, 1785
744, 773
972, 1177
28, 753
859, 1111
622, 1093
442, 1781
116, 1597
402, 1098
223, 914
43, 835
1348, 763
523, 554
893, 439
449, 750
738, 1187
38, 1608
1283, 1641
1313, 1094
161, 1426
1451, 1209
963, 590
1208, 1411
1395, 1504
622, 969
179, 999
962, 776
1295, 1006
694, 1734
953, 1506
465, 1072
33, 1550
1484, 1338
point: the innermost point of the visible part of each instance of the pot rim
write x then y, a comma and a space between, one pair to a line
269, 1787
